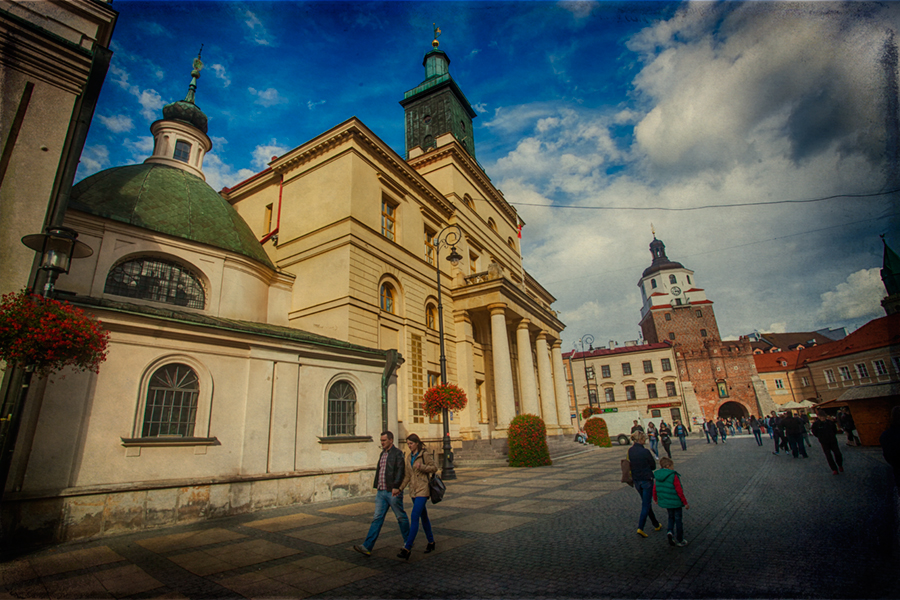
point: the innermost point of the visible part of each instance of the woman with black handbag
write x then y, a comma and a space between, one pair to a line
421, 466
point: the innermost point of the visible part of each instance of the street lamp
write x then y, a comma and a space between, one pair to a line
58, 246
451, 235
589, 339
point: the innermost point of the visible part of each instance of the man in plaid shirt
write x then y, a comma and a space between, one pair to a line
388, 477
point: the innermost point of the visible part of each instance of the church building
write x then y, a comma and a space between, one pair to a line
720, 377
261, 338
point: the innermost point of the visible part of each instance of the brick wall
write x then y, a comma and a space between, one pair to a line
684, 323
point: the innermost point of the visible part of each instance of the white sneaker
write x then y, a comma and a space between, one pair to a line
682, 543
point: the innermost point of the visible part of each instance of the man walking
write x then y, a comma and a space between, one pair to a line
681, 434
388, 478
826, 431
793, 430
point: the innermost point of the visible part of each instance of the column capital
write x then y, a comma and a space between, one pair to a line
543, 335
499, 308
523, 324
557, 343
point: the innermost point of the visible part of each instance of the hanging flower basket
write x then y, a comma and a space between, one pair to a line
49, 335
441, 396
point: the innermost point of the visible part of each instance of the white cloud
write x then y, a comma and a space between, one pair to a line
312, 104
149, 99
858, 297
117, 123
480, 107
267, 97
258, 34
221, 73
140, 148
219, 174
93, 159
262, 155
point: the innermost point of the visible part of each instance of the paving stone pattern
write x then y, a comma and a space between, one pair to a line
759, 526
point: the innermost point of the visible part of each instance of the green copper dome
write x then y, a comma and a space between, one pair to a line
187, 112
170, 201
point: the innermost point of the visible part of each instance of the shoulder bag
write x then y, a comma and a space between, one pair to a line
436, 488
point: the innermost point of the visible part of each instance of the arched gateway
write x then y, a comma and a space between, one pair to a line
733, 410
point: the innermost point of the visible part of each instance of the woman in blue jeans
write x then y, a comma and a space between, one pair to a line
642, 466
418, 470
653, 436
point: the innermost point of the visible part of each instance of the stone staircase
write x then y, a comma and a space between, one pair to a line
493, 453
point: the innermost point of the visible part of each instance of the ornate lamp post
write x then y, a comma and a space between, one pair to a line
589, 339
448, 236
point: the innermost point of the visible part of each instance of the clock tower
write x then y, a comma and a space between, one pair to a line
675, 309
720, 378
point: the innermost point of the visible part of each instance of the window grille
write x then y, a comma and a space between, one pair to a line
156, 280
341, 409
171, 406
417, 372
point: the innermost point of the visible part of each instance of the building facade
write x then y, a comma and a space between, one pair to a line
256, 335
785, 377
372, 230
720, 376
637, 377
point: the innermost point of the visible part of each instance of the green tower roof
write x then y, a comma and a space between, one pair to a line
167, 200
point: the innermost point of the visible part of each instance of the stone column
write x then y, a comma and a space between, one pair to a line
503, 377
527, 384
545, 373
465, 370
561, 386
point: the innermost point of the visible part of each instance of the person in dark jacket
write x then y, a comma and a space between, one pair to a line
777, 433
890, 444
720, 425
793, 430
389, 475
712, 431
826, 432
665, 438
642, 466
668, 494
849, 427
681, 433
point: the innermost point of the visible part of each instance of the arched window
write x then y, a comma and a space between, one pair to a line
182, 151
512, 244
492, 225
387, 298
341, 409
171, 405
467, 200
430, 317
672, 279
156, 280
653, 284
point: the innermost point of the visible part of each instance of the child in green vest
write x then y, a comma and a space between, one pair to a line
668, 494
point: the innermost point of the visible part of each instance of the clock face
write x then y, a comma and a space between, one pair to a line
676, 291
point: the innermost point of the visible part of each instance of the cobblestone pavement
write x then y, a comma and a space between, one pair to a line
759, 526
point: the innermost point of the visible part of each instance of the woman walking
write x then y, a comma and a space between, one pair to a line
653, 436
420, 466
642, 466
757, 434
681, 434
665, 437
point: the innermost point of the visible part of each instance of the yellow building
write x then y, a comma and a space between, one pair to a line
347, 213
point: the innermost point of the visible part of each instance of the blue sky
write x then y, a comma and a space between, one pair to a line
631, 107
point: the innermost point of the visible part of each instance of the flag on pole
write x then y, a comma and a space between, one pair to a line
519, 228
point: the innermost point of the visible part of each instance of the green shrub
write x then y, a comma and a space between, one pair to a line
597, 432
528, 442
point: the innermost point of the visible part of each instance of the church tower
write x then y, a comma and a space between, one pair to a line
437, 108
675, 309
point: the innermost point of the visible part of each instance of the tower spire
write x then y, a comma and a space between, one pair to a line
195, 75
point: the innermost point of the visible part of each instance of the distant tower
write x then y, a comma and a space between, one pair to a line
890, 276
437, 107
717, 377
675, 310
179, 138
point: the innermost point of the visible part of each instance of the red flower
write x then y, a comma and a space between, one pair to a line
49, 335
441, 396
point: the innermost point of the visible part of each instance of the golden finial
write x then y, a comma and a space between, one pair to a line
653, 231
437, 34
